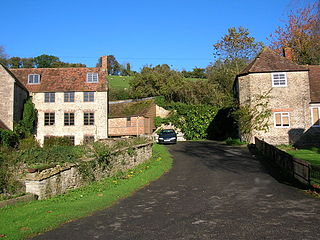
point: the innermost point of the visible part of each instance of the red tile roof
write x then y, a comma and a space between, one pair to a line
61, 79
269, 61
314, 81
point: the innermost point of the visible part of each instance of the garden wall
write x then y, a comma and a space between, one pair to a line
59, 179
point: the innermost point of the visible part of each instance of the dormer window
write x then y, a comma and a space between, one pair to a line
279, 80
33, 79
92, 77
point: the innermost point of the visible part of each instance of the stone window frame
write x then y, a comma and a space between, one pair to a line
31, 78
49, 97
92, 77
279, 85
282, 115
313, 123
49, 118
69, 96
88, 96
88, 118
69, 118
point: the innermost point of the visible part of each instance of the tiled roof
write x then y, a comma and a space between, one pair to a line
269, 61
2, 125
314, 81
129, 109
61, 79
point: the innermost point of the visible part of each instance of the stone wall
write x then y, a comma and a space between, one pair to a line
161, 112
293, 98
7, 93
60, 179
79, 130
20, 96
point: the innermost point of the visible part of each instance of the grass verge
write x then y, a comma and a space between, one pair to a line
311, 155
28, 219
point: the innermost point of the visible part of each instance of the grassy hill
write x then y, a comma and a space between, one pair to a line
121, 82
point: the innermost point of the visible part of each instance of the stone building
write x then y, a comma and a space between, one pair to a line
131, 118
293, 97
70, 102
13, 96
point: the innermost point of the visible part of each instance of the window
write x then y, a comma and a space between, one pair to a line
281, 119
279, 79
49, 97
69, 97
71, 138
33, 79
88, 139
315, 116
92, 77
68, 119
88, 96
49, 119
88, 118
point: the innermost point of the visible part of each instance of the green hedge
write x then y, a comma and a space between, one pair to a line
8, 138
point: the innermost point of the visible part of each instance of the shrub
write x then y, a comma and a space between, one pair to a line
57, 141
28, 143
8, 138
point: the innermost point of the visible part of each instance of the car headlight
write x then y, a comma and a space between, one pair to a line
160, 138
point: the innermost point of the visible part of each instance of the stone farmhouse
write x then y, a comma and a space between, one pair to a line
70, 102
131, 118
294, 97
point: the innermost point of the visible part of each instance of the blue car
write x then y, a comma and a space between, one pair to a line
167, 136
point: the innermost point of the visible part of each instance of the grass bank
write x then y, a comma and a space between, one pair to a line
28, 219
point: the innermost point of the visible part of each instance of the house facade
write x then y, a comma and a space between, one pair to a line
13, 96
131, 118
70, 102
293, 97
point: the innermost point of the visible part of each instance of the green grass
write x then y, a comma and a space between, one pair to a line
121, 82
28, 219
311, 155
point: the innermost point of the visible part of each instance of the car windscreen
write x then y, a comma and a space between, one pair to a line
167, 131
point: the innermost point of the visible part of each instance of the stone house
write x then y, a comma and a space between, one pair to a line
293, 97
131, 118
70, 102
13, 96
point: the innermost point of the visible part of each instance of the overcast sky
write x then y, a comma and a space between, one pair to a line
177, 32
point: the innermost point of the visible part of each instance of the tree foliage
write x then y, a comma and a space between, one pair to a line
26, 126
3, 56
237, 44
195, 73
301, 33
156, 81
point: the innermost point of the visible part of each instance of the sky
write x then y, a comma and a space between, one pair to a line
179, 33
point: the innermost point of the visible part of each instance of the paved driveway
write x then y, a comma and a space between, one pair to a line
213, 192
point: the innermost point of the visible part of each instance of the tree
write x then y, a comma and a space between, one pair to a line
301, 33
156, 81
3, 56
46, 61
27, 62
237, 44
14, 62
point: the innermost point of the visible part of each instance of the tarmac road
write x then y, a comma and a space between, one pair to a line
214, 191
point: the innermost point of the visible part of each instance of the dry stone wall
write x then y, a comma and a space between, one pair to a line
60, 179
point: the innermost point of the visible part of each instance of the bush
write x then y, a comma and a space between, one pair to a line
28, 143
57, 141
8, 138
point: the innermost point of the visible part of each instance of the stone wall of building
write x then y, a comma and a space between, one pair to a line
7, 96
60, 179
79, 130
293, 98
20, 96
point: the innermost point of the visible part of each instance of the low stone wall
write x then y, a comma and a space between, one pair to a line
60, 179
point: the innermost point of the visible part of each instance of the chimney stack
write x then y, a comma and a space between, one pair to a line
104, 63
288, 53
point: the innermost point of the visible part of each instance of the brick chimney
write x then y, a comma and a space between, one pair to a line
288, 53
104, 63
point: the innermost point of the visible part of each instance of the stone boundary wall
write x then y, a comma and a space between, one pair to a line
60, 179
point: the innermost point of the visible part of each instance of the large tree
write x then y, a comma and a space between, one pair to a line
46, 61
3, 56
301, 33
156, 81
114, 68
